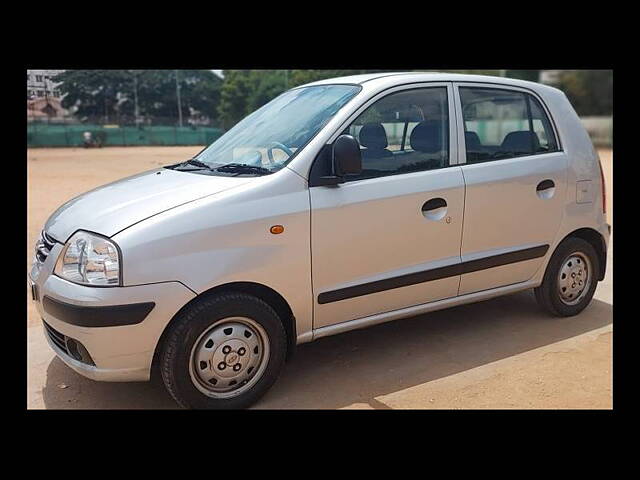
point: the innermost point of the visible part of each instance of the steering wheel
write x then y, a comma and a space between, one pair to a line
279, 146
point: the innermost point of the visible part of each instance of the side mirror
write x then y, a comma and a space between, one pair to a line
347, 158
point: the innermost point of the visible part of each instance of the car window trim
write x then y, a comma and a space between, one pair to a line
462, 147
453, 156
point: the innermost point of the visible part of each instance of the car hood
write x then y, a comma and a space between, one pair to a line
112, 208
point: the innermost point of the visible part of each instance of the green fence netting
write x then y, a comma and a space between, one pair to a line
43, 135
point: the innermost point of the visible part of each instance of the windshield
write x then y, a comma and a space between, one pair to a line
270, 137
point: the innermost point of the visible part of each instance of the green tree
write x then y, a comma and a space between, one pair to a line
589, 91
93, 93
531, 75
234, 93
110, 94
157, 97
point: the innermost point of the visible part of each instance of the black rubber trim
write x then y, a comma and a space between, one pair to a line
434, 204
109, 316
545, 185
433, 274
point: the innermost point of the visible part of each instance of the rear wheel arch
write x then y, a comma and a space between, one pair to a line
595, 239
264, 293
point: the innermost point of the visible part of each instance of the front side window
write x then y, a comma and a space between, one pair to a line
502, 124
268, 139
404, 132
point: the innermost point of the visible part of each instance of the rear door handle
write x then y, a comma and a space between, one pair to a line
545, 185
434, 204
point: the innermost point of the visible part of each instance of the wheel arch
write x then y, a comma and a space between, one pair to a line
595, 239
263, 292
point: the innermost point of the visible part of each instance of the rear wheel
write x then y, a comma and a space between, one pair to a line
571, 278
224, 351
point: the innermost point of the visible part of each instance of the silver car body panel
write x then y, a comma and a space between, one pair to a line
225, 238
122, 353
182, 234
116, 206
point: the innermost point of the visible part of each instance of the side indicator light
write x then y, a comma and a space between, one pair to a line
277, 229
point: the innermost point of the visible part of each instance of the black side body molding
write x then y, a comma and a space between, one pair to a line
109, 316
433, 274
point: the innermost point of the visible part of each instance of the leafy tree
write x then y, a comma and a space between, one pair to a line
93, 93
589, 91
235, 91
199, 91
531, 75
111, 93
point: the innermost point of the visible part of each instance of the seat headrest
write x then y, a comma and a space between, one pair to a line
426, 137
373, 135
472, 141
521, 142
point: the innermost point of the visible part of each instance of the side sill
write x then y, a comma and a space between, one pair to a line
376, 319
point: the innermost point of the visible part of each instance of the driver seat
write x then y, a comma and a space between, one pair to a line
374, 137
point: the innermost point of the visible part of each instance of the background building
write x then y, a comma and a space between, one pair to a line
43, 96
41, 85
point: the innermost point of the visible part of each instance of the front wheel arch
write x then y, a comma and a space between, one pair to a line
264, 293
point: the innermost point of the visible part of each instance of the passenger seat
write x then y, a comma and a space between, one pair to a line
426, 137
521, 142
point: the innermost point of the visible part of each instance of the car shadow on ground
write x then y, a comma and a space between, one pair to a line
358, 366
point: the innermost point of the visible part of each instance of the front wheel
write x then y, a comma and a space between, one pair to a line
223, 352
571, 278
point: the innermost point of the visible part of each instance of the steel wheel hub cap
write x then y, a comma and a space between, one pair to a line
229, 357
574, 278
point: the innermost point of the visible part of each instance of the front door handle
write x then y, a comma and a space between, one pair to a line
434, 204
435, 209
545, 185
546, 189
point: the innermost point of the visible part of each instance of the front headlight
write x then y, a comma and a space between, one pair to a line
89, 259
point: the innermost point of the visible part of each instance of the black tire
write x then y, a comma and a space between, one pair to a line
548, 295
190, 325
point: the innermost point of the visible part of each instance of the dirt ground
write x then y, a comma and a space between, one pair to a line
502, 353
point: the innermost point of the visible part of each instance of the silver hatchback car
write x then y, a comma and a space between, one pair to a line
340, 204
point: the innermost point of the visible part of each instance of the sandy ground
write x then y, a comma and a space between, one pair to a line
502, 353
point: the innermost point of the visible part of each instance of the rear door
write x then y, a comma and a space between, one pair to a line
390, 237
515, 174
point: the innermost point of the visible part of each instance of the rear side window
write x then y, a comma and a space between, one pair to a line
503, 124
404, 132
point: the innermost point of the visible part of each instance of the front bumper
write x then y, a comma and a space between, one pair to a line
119, 338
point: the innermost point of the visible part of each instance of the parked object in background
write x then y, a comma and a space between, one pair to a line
369, 177
90, 142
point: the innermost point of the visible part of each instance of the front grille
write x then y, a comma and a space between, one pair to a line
68, 345
56, 337
43, 246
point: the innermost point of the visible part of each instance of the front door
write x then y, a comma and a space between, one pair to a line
389, 238
515, 175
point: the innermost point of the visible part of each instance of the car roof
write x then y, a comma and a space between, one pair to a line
411, 77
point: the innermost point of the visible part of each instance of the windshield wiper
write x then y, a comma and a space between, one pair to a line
243, 168
196, 163
191, 161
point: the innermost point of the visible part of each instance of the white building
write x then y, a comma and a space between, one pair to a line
40, 85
